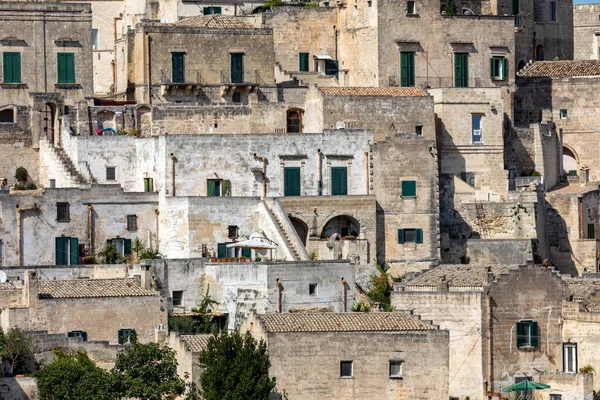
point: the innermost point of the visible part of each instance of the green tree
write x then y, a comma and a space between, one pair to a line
200, 323
16, 347
235, 367
21, 175
73, 376
110, 255
148, 372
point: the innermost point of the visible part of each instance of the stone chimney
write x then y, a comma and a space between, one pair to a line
30, 289
146, 276
488, 279
160, 333
584, 175
443, 286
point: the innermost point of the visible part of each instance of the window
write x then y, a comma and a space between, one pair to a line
123, 246
476, 128
236, 97
294, 121
178, 67
410, 7
312, 289
412, 235
468, 177
407, 69
232, 232
125, 335
7, 115
148, 185
331, 68
555, 397
395, 369
498, 68
237, 67
552, 11
345, 369
177, 298
62, 212
218, 187
76, 334
409, 188
291, 181
591, 234
66, 250
527, 334
11, 62
111, 173
132, 223
564, 113
95, 39
461, 69
303, 58
570, 358
516, 13
211, 10
66, 67
339, 181
419, 130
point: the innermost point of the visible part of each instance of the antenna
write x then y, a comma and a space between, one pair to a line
3, 277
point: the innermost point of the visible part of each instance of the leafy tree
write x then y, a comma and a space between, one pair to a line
148, 372
235, 367
147, 254
21, 175
73, 376
200, 323
381, 290
360, 306
16, 347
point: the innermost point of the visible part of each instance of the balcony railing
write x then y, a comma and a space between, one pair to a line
251, 77
190, 77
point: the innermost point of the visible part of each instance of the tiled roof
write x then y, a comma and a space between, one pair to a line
562, 68
573, 189
7, 286
195, 343
457, 275
81, 288
215, 21
582, 288
373, 91
342, 322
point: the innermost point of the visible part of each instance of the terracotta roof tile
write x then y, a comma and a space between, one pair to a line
373, 91
342, 322
83, 288
457, 275
562, 68
7, 286
215, 21
195, 343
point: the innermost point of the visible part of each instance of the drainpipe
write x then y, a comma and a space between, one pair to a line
580, 217
45, 59
148, 67
172, 157
19, 239
320, 173
156, 212
489, 344
367, 170
278, 284
91, 228
263, 172
344, 307
113, 62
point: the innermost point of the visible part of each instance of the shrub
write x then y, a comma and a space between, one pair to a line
21, 175
31, 186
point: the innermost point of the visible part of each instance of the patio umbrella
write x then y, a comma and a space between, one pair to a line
525, 385
255, 241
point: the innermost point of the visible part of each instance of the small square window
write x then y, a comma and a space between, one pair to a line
52, 183
111, 173
410, 7
409, 189
312, 289
77, 334
345, 369
125, 335
527, 334
232, 232
62, 212
177, 298
132, 223
396, 369
409, 235
419, 130
564, 113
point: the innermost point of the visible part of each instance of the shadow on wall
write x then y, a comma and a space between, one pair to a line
455, 231
18, 388
561, 252
518, 149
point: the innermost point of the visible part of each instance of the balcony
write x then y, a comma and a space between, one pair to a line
191, 84
430, 82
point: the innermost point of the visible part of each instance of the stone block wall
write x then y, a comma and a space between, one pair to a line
585, 25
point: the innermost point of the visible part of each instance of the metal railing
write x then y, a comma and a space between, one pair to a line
435, 82
190, 77
248, 77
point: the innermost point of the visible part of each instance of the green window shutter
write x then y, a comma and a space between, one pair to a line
66, 67
492, 65
291, 178
535, 334
331, 68
71, 334
226, 189
210, 190
206, 10
591, 231
303, 62
122, 336
246, 253
461, 69
419, 235
237, 67
216, 10
146, 185
59, 248
178, 67
127, 246
409, 188
407, 69
151, 184
84, 336
74, 251
222, 250
522, 334
504, 68
339, 181
11, 67
400, 235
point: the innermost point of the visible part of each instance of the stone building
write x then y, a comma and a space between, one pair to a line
94, 309
361, 355
188, 349
586, 25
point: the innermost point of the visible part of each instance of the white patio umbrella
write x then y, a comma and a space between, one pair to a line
255, 241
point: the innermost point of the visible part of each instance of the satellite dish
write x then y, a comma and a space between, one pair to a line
3, 277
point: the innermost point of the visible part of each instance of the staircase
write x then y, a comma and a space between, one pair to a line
69, 166
279, 217
287, 238
59, 159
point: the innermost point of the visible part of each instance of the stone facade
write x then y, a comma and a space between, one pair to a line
585, 25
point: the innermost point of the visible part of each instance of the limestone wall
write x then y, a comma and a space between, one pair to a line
585, 26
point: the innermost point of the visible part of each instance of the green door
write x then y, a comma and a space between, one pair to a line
222, 250
178, 65
60, 251
12, 67
407, 69
66, 67
461, 69
237, 67
339, 181
303, 62
291, 177
73, 251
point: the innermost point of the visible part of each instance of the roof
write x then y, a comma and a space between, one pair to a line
7, 286
86, 288
195, 343
374, 91
582, 288
215, 21
342, 322
457, 275
563, 68
574, 189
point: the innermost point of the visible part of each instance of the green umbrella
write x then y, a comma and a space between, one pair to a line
525, 385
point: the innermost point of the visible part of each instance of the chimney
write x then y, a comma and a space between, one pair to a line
146, 278
344, 296
443, 286
30, 289
584, 176
160, 333
489, 277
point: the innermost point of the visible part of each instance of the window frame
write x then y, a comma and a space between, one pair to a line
402, 188
127, 337
233, 231
78, 333
392, 362
14, 55
132, 226
532, 339
346, 362
473, 130
313, 289
114, 169
498, 68
553, 12
303, 62
563, 113
572, 347
411, 7
417, 235
66, 217
179, 298
70, 73
591, 231
96, 42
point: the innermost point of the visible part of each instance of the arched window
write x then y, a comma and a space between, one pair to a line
343, 225
7, 115
301, 229
294, 121
570, 163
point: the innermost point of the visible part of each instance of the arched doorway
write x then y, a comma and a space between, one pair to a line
570, 162
48, 122
7, 115
539, 53
343, 225
294, 120
301, 229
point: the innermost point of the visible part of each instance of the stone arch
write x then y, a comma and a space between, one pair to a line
294, 117
570, 160
8, 114
143, 120
301, 228
342, 224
